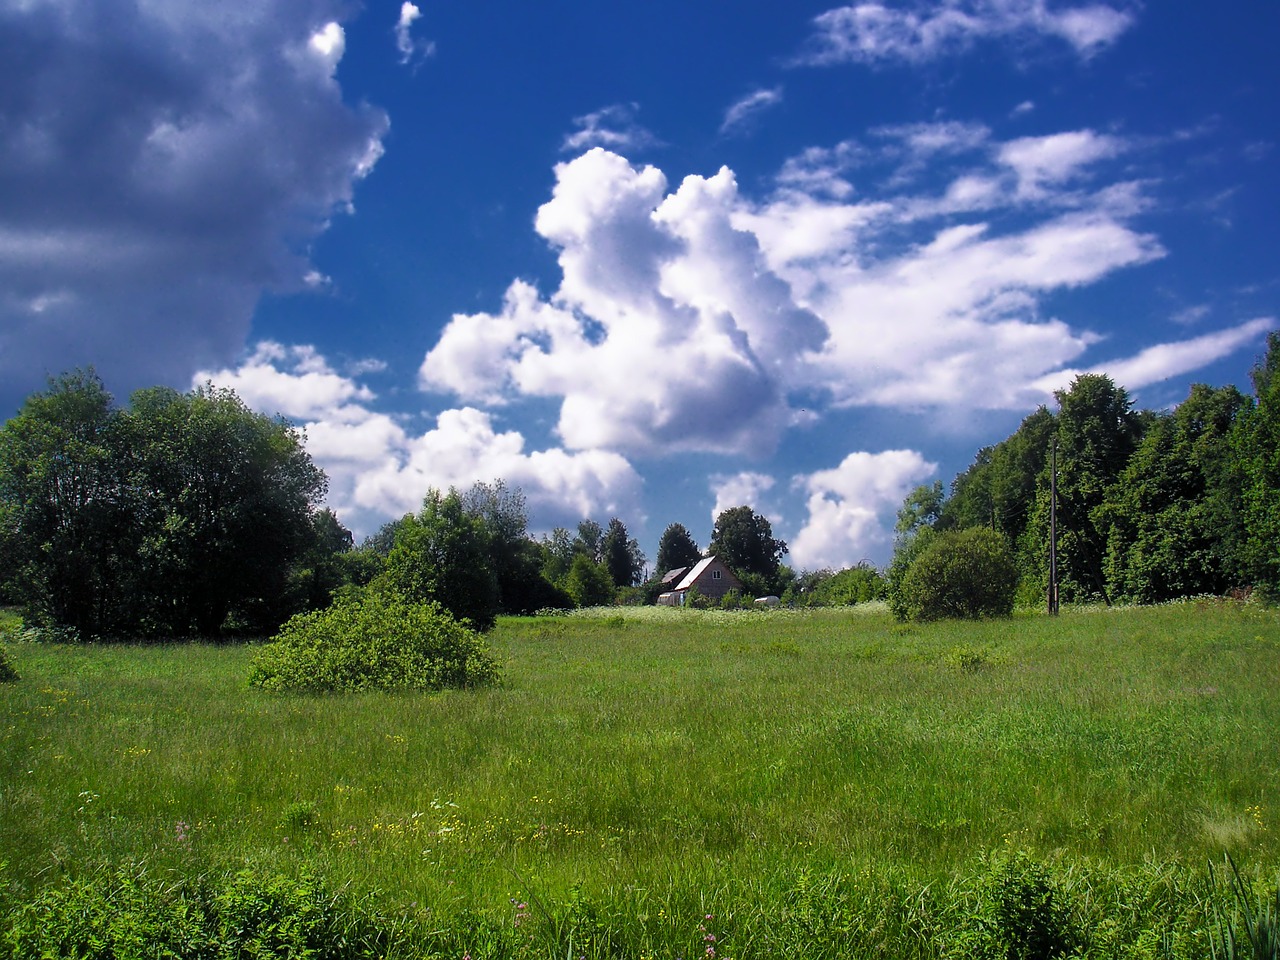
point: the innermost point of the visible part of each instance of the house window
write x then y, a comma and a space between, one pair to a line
715, 574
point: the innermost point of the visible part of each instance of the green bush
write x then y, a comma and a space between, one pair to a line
7, 672
374, 641
1014, 912
853, 585
966, 573
123, 914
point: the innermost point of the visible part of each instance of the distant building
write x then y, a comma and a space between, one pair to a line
712, 578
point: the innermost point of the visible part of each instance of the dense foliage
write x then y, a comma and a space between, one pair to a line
441, 555
170, 517
7, 673
373, 642
743, 540
1151, 505
965, 573
843, 588
122, 914
676, 549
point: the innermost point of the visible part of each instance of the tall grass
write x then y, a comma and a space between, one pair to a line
655, 766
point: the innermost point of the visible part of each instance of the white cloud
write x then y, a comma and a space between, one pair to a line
614, 128
1189, 316
405, 43
699, 319
1165, 360
175, 162
667, 333
1042, 163
295, 382
916, 32
749, 107
328, 44
925, 140
379, 468
851, 508
746, 489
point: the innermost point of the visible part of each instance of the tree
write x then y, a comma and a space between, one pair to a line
921, 508
959, 573
743, 540
999, 488
442, 555
223, 498
621, 555
557, 554
1256, 442
516, 560
589, 583
1171, 519
1097, 432
65, 528
160, 519
590, 540
325, 567
676, 548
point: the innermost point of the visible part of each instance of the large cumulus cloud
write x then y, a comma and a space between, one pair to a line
668, 331
161, 165
704, 319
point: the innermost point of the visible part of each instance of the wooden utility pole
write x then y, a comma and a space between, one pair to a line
1053, 530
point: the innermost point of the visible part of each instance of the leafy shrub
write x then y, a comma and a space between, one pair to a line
7, 672
860, 584
1014, 912
588, 583
122, 914
374, 641
967, 573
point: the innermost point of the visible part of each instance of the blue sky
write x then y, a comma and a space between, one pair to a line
641, 260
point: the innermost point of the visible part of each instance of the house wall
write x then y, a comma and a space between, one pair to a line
713, 587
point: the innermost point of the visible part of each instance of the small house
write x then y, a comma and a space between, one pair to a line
711, 577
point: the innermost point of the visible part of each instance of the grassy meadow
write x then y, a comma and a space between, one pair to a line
664, 783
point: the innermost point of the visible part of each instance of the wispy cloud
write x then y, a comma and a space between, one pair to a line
614, 128
1164, 360
917, 32
743, 112
410, 48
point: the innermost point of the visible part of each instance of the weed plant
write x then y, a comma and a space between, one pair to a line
787, 783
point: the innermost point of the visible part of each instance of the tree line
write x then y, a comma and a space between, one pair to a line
1150, 506
187, 514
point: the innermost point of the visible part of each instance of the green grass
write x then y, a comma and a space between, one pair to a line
664, 764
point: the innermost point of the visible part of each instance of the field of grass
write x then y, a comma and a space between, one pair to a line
825, 783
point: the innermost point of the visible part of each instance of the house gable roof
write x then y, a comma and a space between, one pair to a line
698, 570
672, 576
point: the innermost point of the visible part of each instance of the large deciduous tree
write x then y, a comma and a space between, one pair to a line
1097, 432
163, 518
224, 498
516, 559
65, 525
743, 539
1172, 515
442, 555
1257, 451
